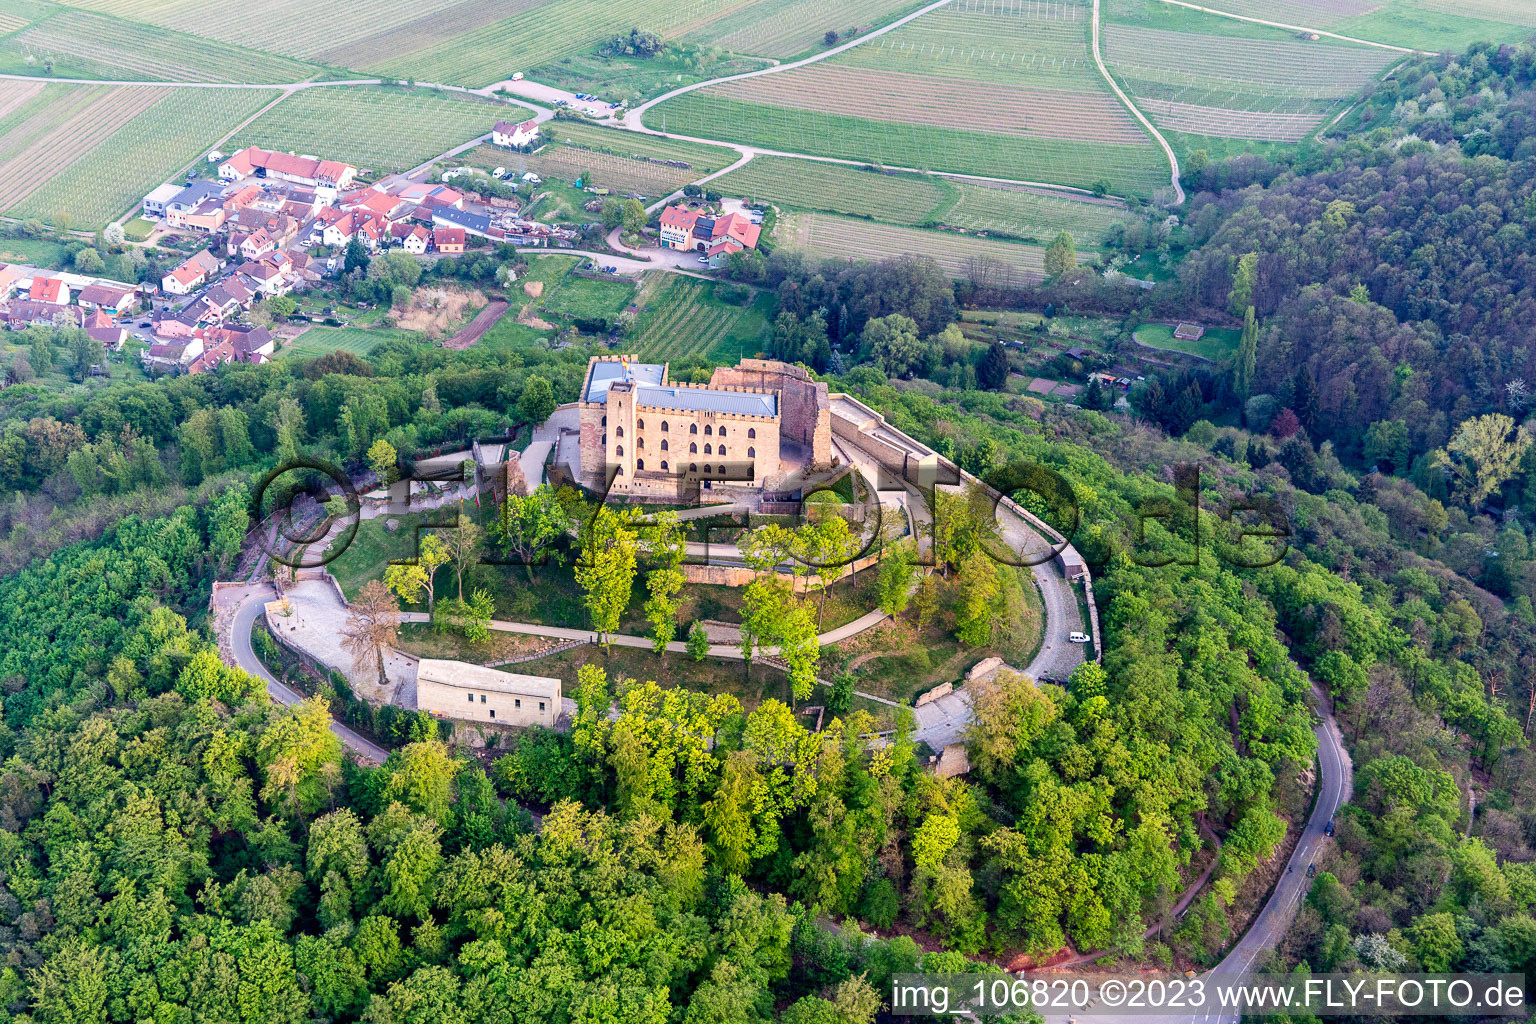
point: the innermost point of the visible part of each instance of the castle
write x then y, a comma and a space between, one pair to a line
753, 426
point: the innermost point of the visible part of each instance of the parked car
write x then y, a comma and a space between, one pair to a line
1078, 638
1328, 829
704, 259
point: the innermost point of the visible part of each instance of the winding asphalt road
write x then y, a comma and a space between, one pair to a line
249, 610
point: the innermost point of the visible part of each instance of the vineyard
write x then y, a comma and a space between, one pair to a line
375, 128
837, 188
783, 28
1027, 213
1258, 89
95, 150
839, 237
547, 33
86, 45
1127, 170
1000, 88
680, 317
622, 174
429, 28
701, 157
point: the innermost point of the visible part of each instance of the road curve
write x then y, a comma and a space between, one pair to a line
1173, 160
245, 656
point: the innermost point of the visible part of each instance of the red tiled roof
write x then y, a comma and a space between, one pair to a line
680, 217
739, 228
47, 289
448, 236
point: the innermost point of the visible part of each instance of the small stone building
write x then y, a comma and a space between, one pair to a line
473, 693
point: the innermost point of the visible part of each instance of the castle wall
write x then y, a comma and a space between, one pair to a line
804, 410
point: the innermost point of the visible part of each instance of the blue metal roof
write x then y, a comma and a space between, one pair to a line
707, 400
608, 371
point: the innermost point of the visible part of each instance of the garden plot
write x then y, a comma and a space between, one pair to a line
97, 150
959, 255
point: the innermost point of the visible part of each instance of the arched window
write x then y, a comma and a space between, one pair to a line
751, 432
620, 472
722, 449
639, 424
639, 465
605, 440
621, 451
693, 428
605, 421
663, 426
708, 430
663, 444
693, 448
618, 431
722, 431
693, 467
751, 453
706, 469
707, 450
663, 465
640, 443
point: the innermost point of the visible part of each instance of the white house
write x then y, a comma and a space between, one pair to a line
515, 136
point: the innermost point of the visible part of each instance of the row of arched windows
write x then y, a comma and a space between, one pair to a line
693, 428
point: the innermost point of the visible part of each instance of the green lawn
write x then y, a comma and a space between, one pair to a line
40, 252
317, 341
587, 298
138, 229
1216, 344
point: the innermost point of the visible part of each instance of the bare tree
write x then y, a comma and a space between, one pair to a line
372, 625
464, 543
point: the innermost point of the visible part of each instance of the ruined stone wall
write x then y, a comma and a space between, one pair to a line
804, 410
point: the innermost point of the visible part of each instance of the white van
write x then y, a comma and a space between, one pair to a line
1078, 638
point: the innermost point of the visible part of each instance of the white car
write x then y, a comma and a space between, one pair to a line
703, 259
1078, 638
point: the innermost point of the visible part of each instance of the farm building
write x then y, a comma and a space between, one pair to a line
515, 136
454, 689
301, 170
686, 228
1189, 332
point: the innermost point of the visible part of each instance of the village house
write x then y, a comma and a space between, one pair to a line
410, 237
49, 289
256, 244
685, 227
321, 175
154, 203
514, 136
11, 275
234, 343
190, 273
109, 297
448, 239
104, 329
198, 207
19, 314
172, 356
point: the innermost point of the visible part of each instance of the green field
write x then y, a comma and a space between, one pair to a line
93, 152
681, 316
785, 28
843, 238
1217, 344
382, 130
911, 199
1432, 25
836, 188
631, 79
624, 161
1126, 169
586, 298
82, 44
317, 341
40, 252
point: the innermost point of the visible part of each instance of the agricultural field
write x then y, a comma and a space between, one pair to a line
784, 28
681, 317
1003, 89
318, 341
1030, 214
585, 298
1432, 25
86, 45
379, 129
569, 162
836, 188
40, 252
632, 79
1216, 344
1266, 90
532, 36
700, 157
92, 151
840, 237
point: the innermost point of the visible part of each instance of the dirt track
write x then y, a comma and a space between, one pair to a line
470, 333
